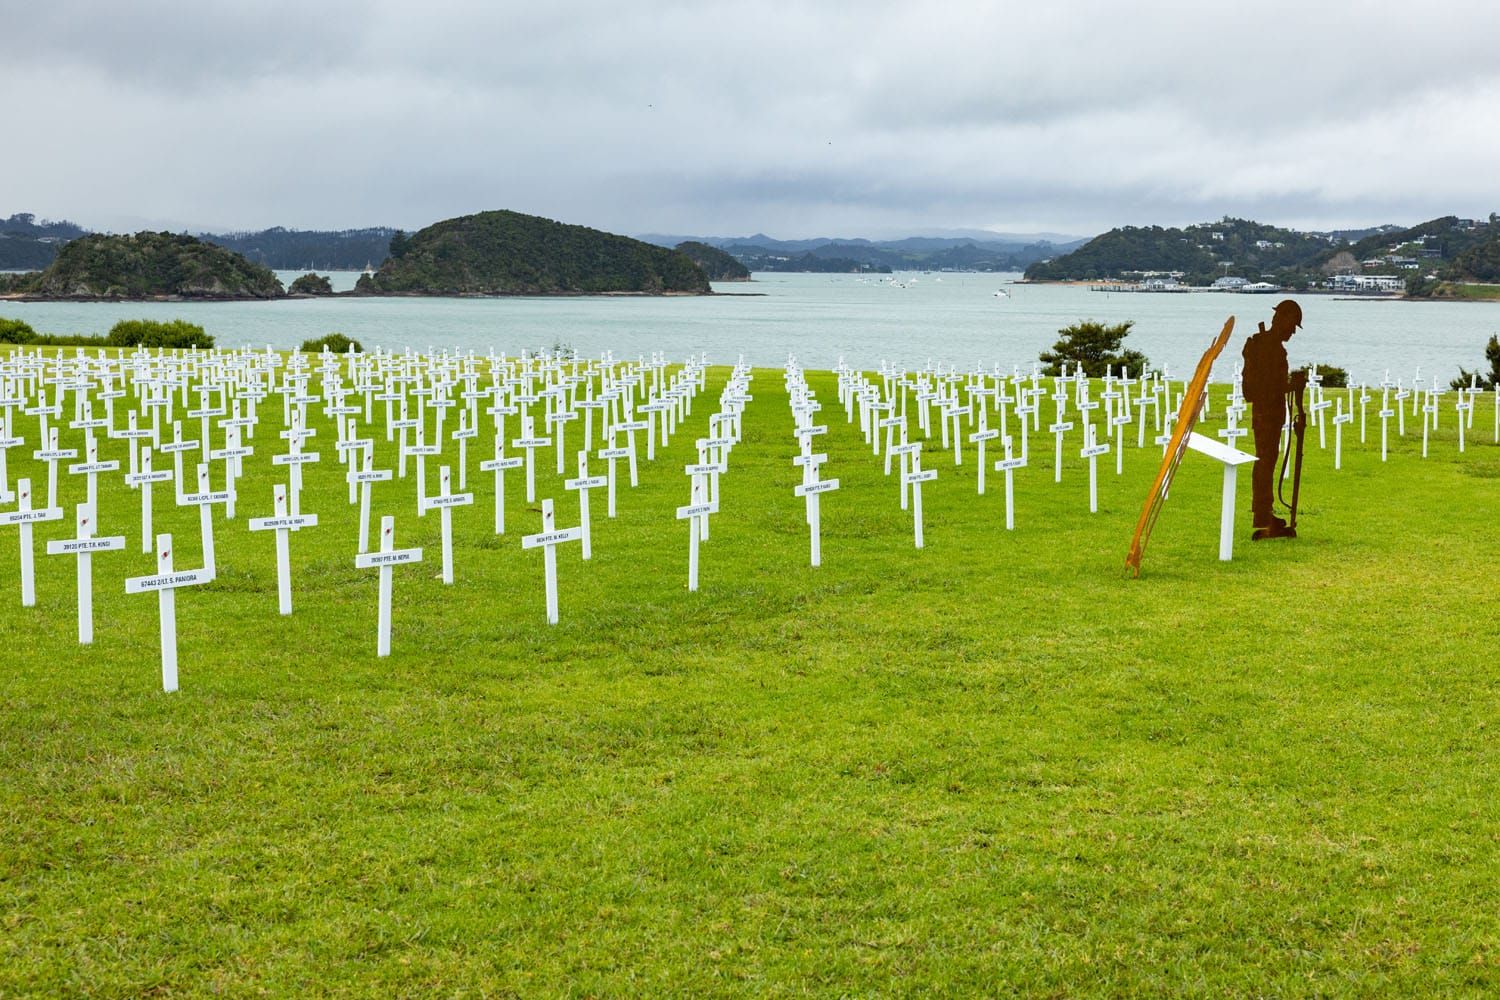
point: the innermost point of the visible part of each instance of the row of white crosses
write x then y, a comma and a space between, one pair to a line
805, 407
724, 430
223, 391
229, 385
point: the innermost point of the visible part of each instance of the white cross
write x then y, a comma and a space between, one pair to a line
530, 443
1008, 465
812, 491
548, 539
445, 501
204, 499
583, 484
364, 477
387, 557
165, 582
1091, 451
283, 522
24, 518
83, 547
143, 479
91, 468
694, 511
1340, 418
52, 454
916, 477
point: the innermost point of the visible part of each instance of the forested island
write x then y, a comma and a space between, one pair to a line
145, 266
508, 253
1432, 258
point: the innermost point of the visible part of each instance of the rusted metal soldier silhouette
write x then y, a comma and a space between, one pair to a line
1266, 382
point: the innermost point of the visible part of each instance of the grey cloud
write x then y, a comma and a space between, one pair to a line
790, 118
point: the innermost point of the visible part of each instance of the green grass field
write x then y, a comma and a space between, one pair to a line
993, 766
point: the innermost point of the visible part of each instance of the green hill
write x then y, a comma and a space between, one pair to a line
1203, 252
507, 253
718, 265
148, 266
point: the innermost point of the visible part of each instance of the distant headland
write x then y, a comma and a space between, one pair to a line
497, 253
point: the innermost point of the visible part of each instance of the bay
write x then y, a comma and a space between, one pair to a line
906, 319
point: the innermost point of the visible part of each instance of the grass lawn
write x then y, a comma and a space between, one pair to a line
996, 765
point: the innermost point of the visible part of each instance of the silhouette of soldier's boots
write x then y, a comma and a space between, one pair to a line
1276, 529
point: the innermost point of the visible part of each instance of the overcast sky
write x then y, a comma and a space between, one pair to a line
798, 120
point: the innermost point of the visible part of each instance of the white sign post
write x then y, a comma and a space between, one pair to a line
387, 557
84, 547
548, 539
445, 501
24, 518
282, 522
165, 584
1232, 459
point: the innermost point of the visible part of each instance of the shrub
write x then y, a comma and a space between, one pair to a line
335, 342
1094, 347
1333, 376
16, 331
155, 333
1492, 355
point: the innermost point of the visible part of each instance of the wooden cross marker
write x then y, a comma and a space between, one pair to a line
583, 484
1008, 465
387, 557
979, 437
296, 458
204, 499
463, 435
629, 427
83, 547
165, 583
232, 455
812, 491
283, 522
364, 477
610, 454
498, 465
1340, 418
916, 477
1059, 428
176, 447
548, 539
910, 451
24, 518
91, 468
52, 454
7, 442
700, 473
1091, 451
445, 501
142, 479
1386, 413
699, 508
530, 443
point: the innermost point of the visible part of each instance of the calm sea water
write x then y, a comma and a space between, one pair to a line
948, 318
